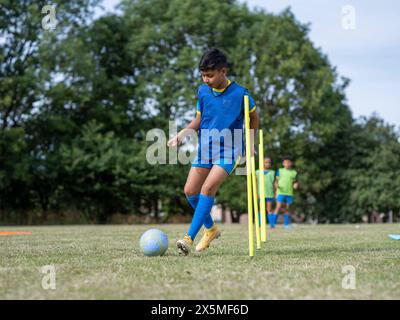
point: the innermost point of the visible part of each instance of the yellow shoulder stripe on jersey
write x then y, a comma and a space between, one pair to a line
236, 164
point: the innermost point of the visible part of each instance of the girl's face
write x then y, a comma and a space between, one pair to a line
287, 164
214, 78
267, 164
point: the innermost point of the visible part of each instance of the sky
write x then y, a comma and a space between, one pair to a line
362, 41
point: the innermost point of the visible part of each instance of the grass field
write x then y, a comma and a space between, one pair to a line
104, 262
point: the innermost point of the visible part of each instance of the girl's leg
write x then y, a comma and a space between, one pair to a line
275, 215
214, 180
194, 182
286, 216
262, 213
271, 216
269, 207
206, 199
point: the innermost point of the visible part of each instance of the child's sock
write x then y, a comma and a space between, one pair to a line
194, 200
200, 214
271, 219
286, 219
208, 221
275, 219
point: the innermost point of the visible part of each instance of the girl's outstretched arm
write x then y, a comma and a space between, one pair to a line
254, 121
193, 125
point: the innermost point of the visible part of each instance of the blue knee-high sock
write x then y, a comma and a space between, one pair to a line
208, 221
271, 219
194, 200
200, 214
275, 219
286, 219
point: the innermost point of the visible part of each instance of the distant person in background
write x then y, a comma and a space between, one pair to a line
285, 184
269, 190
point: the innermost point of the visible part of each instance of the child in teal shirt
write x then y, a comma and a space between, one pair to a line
286, 183
269, 178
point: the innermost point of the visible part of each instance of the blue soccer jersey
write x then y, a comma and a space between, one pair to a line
221, 127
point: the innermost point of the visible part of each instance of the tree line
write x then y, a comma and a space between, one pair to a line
76, 103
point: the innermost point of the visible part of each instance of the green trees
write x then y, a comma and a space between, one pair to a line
26, 145
76, 103
374, 172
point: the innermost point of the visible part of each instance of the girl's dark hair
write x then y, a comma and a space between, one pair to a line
213, 59
287, 157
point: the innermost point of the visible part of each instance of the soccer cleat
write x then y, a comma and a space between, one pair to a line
184, 245
208, 236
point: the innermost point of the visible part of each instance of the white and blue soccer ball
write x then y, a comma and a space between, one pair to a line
154, 242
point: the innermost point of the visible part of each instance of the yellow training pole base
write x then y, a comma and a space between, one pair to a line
255, 199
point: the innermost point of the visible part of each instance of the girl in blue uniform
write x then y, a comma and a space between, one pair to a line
219, 119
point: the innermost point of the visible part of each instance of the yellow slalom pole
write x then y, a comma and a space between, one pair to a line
255, 199
248, 172
262, 188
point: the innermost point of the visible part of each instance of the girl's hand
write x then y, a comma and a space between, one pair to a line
296, 185
175, 141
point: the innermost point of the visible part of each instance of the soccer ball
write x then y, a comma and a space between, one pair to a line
154, 242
